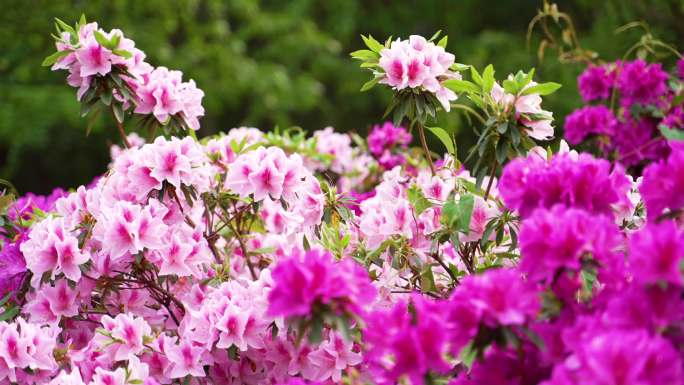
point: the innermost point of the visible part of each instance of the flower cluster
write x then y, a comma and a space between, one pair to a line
307, 280
385, 143
91, 55
663, 184
645, 92
527, 110
418, 63
574, 181
236, 259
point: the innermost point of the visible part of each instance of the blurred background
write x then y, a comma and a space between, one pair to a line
264, 63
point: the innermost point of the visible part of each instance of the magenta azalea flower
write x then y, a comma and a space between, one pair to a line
304, 281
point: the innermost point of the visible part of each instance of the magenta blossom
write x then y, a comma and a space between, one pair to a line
657, 254
598, 120
306, 280
596, 83
663, 186
640, 82
574, 181
547, 248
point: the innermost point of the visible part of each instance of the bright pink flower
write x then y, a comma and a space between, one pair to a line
657, 254
304, 280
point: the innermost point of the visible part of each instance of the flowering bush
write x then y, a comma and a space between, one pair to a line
282, 258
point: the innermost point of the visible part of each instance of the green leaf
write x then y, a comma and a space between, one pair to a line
101, 39
373, 44
370, 84
427, 279
82, 21
364, 54
449, 213
542, 89
488, 78
64, 26
444, 137
9, 313
114, 42
460, 86
106, 97
465, 212
436, 35
123, 53
671, 134
4, 299
458, 67
52, 59
118, 112
418, 200
510, 86
477, 78
316, 331
468, 355
443, 41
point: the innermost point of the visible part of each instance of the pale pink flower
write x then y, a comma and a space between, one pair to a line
64, 378
62, 299
93, 58
232, 327
185, 359
106, 377
129, 333
332, 357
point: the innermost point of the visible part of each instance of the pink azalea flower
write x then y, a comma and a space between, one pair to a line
62, 299
185, 360
106, 377
93, 58
129, 332
232, 327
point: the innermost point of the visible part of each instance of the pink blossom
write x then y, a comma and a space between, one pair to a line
185, 359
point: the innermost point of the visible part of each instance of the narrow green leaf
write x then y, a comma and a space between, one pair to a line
510, 86
542, 89
477, 78
436, 35
444, 137
52, 59
443, 41
364, 54
64, 26
4, 299
101, 39
373, 44
459, 67
488, 78
123, 53
9, 313
465, 212
370, 84
418, 200
670, 133
460, 86
118, 112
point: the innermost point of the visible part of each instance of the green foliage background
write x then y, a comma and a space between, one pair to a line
264, 63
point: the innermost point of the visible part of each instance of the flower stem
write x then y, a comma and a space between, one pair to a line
421, 134
122, 132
